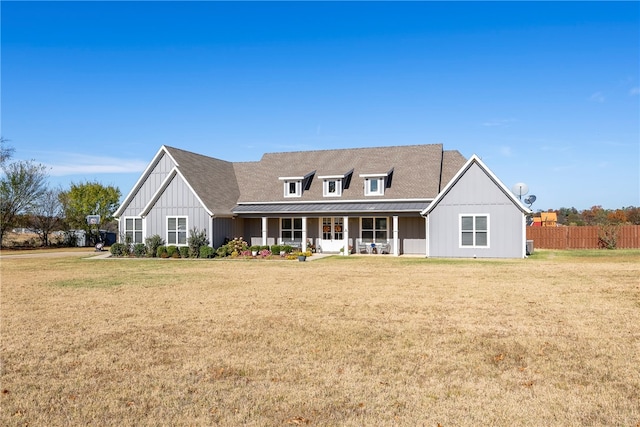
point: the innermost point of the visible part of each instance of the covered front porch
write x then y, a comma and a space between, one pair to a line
371, 227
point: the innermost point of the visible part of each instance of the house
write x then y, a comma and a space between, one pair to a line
362, 200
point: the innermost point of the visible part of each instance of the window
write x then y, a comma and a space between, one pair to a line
332, 187
291, 229
374, 229
293, 188
176, 230
374, 187
474, 231
133, 230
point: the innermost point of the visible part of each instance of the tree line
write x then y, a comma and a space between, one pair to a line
27, 201
597, 215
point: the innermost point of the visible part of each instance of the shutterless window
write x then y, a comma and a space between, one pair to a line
291, 229
474, 230
133, 230
292, 189
374, 187
374, 229
176, 230
332, 187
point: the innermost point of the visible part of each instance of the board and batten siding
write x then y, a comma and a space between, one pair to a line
177, 200
412, 235
149, 187
476, 193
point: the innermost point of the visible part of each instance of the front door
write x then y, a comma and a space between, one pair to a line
332, 234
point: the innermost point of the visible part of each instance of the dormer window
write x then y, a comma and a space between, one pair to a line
375, 183
294, 186
332, 185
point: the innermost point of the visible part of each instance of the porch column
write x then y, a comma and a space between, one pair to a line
345, 236
396, 241
264, 230
426, 233
304, 234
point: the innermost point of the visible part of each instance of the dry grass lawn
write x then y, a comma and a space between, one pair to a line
553, 340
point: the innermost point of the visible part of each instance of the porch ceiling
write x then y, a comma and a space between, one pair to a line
331, 208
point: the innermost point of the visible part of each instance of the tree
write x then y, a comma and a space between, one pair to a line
89, 198
23, 183
46, 215
5, 151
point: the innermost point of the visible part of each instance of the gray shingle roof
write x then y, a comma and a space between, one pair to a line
416, 172
212, 179
226, 188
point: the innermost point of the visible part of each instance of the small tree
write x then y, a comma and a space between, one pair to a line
196, 240
45, 216
23, 183
89, 198
153, 243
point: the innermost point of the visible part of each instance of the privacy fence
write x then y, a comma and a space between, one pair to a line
587, 237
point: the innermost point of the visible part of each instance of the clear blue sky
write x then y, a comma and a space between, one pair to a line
545, 93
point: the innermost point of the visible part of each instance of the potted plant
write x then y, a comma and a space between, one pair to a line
254, 250
302, 256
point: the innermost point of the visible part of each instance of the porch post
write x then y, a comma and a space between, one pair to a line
304, 234
345, 235
396, 241
426, 233
264, 230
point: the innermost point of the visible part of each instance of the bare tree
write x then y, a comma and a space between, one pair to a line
23, 183
46, 215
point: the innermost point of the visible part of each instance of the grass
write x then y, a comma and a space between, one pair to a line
550, 340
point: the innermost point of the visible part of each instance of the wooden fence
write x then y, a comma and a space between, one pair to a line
575, 237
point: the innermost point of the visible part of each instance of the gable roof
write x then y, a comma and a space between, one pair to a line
212, 180
475, 160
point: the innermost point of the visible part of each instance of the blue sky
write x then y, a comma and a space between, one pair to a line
545, 93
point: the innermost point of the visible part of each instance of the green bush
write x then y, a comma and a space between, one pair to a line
161, 252
275, 249
153, 243
139, 250
119, 249
206, 252
172, 250
184, 251
287, 248
237, 246
196, 240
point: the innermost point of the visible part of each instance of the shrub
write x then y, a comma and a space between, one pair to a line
172, 250
153, 243
235, 246
608, 236
275, 249
161, 252
206, 252
139, 250
265, 253
184, 251
119, 249
287, 248
196, 240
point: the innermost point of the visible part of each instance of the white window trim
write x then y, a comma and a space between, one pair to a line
474, 246
367, 186
325, 187
292, 179
167, 230
292, 229
134, 229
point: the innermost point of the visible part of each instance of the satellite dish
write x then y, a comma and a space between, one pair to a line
520, 189
529, 200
